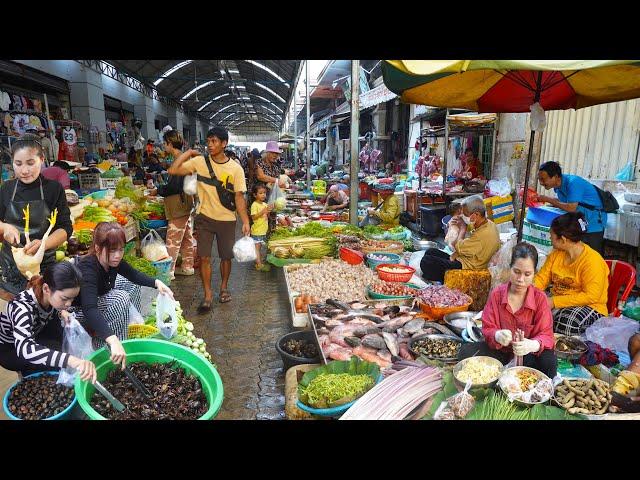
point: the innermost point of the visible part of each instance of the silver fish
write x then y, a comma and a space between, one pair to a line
396, 322
374, 341
413, 326
362, 331
392, 343
353, 341
384, 354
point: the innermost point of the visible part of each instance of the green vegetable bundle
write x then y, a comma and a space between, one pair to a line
97, 215
142, 265
84, 236
112, 173
153, 207
330, 390
126, 189
374, 230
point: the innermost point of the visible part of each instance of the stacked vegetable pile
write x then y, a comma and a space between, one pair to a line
312, 241
142, 265
126, 189
112, 173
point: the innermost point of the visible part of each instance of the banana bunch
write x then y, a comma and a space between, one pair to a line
626, 382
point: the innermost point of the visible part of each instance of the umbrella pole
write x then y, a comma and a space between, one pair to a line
523, 206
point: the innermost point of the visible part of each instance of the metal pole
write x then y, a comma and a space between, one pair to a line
46, 106
528, 167
295, 130
354, 190
308, 149
444, 161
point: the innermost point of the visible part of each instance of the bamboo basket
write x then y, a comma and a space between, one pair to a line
386, 246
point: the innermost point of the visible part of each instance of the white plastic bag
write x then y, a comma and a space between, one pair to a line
134, 316
538, 118
153, 247
277, 198
612, 332
77, 342
244, 250
166, 316
500, 188
190, 185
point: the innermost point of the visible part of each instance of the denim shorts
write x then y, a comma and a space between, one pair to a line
259, 238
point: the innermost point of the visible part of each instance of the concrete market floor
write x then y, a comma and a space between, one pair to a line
240, 336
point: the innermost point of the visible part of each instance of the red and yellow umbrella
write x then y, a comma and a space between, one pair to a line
512, 86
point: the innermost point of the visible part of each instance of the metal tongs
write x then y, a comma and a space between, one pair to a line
112, 400
134, 380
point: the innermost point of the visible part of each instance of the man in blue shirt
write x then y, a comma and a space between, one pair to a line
572, 190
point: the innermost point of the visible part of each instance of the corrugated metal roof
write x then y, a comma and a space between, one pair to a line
594, 142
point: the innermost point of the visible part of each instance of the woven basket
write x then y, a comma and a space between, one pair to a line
385, 246
395, 277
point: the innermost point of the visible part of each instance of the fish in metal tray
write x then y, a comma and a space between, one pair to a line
440, 328
362, 331
374, 341
392, 342
353, 341
413, 326
384, 354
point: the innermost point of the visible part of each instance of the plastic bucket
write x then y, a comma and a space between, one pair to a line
164, 269
155, 351
445, 223
60, 416
290, 360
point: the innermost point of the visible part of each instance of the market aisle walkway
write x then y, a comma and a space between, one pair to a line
241, 337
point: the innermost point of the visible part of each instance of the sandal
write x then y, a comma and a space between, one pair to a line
225, 296
205, 306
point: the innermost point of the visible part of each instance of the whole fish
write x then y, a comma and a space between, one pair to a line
401, 333
392, 342
337, 334
362, 331
370, 355
324, 340
404, 352
358, 306
389, 329
333, 322
352, 341
396, 322
362, 321
374, 341
336, 352
413, 326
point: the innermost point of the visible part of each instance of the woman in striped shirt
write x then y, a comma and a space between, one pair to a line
31, 328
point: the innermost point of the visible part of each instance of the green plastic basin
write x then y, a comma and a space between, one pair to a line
155, 351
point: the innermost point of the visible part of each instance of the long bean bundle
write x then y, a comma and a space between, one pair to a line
398, 395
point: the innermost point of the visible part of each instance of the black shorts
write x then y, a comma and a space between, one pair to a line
225, 233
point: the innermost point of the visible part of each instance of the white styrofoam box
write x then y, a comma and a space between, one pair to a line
631, 207
633, 197
630, 228
538, 235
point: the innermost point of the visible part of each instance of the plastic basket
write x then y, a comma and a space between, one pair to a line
141, 331
352, 257
63, 414
391, 258
396, 236
153, 224
395, 277
164, 269
390, 246
89, 181
109, 183
381, 296
438, 313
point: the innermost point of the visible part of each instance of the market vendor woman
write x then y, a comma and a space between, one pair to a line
31, 331
389, 212
576, 275
518, 305
42, 196
109, 287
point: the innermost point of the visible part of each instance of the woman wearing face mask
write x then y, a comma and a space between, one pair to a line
576, 275
518, 305
31, 330
109, 287
42, 196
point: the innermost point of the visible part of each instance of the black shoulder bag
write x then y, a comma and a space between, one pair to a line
227, 197
609, 202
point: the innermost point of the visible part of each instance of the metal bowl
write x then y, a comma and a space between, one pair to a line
487, 360
424, 244
435, 336
458, 321
538, 373
570, 355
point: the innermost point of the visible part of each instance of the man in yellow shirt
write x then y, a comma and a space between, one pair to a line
214, 218
577, 275
471, 253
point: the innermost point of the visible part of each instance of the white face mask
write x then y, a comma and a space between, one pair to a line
467, 220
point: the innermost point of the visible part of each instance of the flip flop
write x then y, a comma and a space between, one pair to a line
205, 306
225, 296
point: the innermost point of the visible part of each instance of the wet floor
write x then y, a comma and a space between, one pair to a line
241, 337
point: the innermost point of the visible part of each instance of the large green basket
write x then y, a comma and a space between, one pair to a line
155, 351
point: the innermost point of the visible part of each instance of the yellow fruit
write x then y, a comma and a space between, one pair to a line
631, 378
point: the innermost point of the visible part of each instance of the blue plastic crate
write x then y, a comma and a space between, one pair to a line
543, 215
